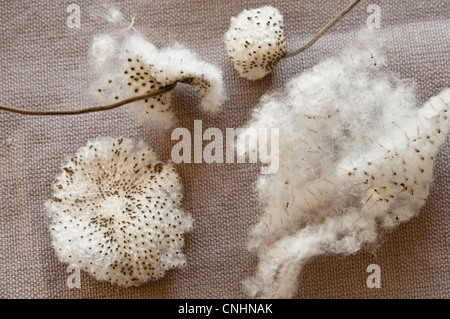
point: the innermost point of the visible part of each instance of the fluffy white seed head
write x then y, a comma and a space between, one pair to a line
255, 41
128, 65
116, 214
356, 153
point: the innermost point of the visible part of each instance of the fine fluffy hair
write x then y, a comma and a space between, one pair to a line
255, 41
127, 65
356, 154
116, 214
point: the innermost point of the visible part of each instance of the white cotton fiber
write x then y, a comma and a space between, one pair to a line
356, 154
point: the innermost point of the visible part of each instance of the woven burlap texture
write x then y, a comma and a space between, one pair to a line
44, 66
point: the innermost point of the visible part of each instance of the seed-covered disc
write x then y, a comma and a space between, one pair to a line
115, 213
255, 41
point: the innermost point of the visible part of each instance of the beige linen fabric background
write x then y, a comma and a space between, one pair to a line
44, 66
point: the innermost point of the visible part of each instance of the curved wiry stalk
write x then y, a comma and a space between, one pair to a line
321, 32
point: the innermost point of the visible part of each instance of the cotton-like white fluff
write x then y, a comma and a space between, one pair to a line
255, 41
356, 154
127, 65
116, 214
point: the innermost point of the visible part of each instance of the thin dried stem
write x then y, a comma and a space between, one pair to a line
89, 109
322, 31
